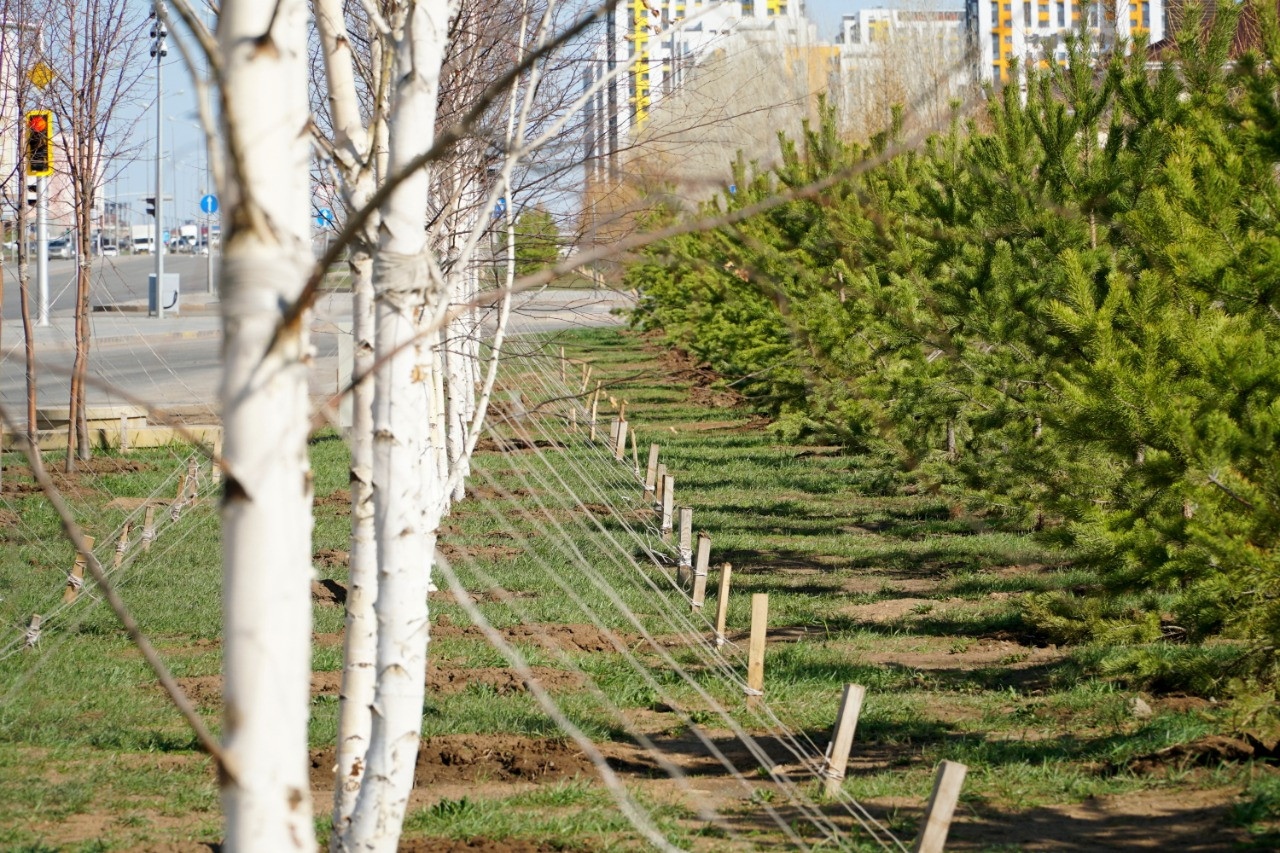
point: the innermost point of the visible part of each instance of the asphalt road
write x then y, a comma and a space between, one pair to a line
120, 279
183, 373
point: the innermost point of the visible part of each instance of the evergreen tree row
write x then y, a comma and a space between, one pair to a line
1064, 310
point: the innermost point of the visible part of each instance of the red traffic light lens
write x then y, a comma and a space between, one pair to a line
39, 124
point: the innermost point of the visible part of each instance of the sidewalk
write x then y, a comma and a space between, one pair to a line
128, 323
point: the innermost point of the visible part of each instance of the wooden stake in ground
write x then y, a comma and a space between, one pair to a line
722, 602
755, 652
684, 546
124, 433
620, 446
32, 636
614, 426
75, 579
622, 411
175, 508
651, 473
564, 368
700, 570
660, 475
941, 808
595, 407
635, 453
586, 377
215, 465
573, 416
148, 528
837, 760
122, 545
668, 504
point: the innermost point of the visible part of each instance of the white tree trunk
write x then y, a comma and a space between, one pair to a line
359, 671
266, 513
406, 481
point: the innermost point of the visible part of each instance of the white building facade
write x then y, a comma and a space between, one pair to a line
649, 47
1002, 31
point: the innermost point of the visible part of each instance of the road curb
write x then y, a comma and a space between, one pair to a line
19, 348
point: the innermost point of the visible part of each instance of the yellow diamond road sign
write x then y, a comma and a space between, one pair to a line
41, 75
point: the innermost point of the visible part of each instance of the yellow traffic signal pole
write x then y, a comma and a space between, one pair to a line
39, 140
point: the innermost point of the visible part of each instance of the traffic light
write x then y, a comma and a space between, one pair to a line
39, 143
33, 194
151, 206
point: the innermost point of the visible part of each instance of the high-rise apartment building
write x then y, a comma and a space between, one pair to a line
1005, 30
648, 47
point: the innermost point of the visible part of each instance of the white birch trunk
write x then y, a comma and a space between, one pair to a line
266, 513
359, 671
405, 468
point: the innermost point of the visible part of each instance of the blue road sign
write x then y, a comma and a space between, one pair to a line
165, 236
324, 217
209, 204
501, 207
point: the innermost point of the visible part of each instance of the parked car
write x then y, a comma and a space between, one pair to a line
143, 245
62, 248
108, 249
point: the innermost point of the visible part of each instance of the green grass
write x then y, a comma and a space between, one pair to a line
955, 675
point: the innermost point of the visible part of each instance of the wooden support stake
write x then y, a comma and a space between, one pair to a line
622, 411
175, 508
635, 453
75, 580
620, 446
586, 377
755, 652
148, 528
564, 368
614, 426
837, 760
684, 546
651, 473
33, 631
700, 571
722, 602
573, 417
941, 807
595, 407
124, 433
215, 465
660, 477
668, 504
122, 545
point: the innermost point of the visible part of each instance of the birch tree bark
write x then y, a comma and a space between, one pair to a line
407, 484
356, 167
266, 511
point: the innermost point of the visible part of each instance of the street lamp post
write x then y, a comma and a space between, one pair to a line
159, 51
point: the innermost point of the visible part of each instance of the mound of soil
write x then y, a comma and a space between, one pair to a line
470, 758
473, 845
1208, 751
331, 557
329, 593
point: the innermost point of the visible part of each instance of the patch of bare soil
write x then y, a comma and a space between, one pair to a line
328, 593
337, 498
206, 690
331, 557
489, 493
511, 444
444, 759
569, 638
1208, 751
454, 552
445, 681
976, 655
889, 610
1189, 821
474, 845
496, 594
